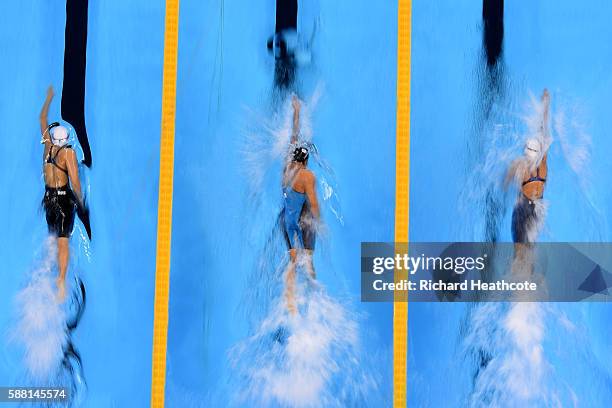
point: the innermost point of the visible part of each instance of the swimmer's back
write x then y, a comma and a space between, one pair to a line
56, 175
534, 182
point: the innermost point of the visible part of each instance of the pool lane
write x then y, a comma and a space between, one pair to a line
559, 45
122, 110
225, 86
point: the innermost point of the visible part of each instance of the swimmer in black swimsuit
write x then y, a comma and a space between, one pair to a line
62, 188
531, 171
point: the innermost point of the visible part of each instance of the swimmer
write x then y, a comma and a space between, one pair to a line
62, 188
530, 171
300, 214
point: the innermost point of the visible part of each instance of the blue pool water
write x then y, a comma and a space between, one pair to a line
224, 277
560, 355
123, 100
227, 323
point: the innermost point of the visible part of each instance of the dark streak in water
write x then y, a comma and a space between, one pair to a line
284, 66
73, 91
286, 15
284, 73
72, 363
492, 86
493, 32
492, 83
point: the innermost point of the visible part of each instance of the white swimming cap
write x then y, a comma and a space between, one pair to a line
59, 135
533, 148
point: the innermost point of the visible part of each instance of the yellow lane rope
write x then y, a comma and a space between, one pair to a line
402, 199
164, 215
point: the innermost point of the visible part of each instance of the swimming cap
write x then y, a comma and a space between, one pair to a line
300, 154
532, 148
59, 135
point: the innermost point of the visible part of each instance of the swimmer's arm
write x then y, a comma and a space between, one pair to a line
546, 113
311, 194
295, 102
544, 167
73, 174
546, 101
44, 113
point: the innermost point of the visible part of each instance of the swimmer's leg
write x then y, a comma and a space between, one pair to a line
523, 222
63, 253
519, 225
290, 283
309, 237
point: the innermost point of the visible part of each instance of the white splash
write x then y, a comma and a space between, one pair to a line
510, 337
312, 359
576, 149
267, 146
41, 319
568, 144
524, 365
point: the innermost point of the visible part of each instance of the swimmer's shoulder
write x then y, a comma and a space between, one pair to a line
67, 155
68, 151
307, 175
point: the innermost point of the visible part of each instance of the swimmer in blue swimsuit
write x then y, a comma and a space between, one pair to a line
62, 188
300, 214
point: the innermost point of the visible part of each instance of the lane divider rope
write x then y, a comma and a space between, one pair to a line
164, 216
402, 200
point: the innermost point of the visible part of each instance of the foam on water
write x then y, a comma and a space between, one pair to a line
512, 366
575, 147
43, 329
312, 359
517, 360
41, 320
